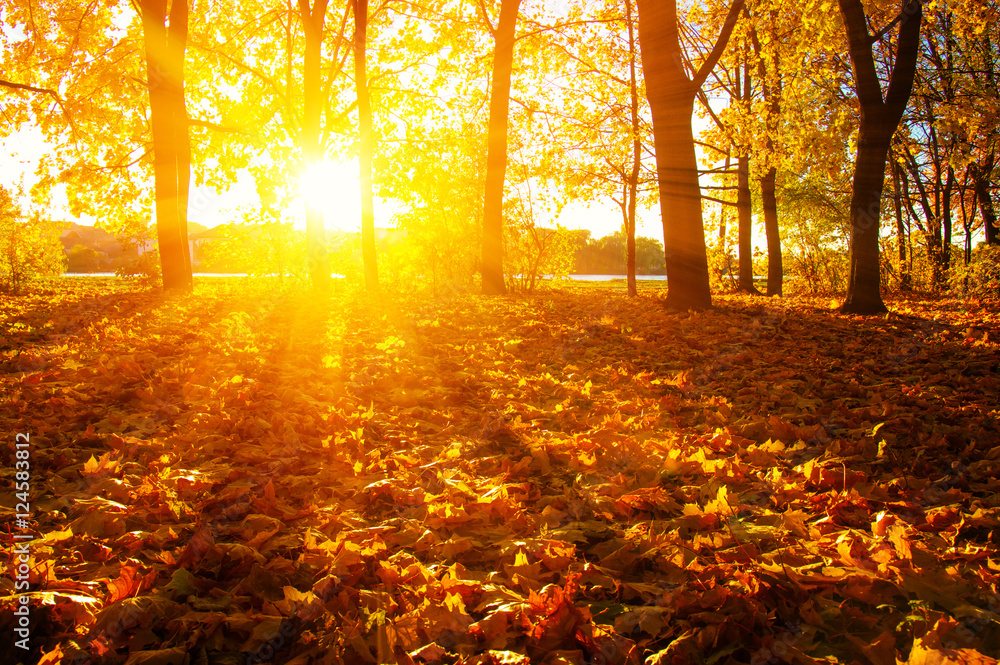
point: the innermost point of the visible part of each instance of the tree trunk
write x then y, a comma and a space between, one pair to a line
496, 148
768, 199
946, 222
769, 202
164, 48
744, 202
671, 97
744, 211
981, 186
633, 180
312, 24
967, 221
897, 200
864, 285
931, 228
879, 119
366, 145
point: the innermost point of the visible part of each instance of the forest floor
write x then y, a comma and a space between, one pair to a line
252, 474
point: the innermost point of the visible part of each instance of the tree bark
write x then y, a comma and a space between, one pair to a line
366, 145
897, 199
165, 41
768, 198
633, 180
981, 186
671, 95
879, 119
313, 19
744, 211
946, 222
744, 202
769, 202
496, 148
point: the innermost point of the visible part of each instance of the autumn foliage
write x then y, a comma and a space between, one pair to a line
256, 474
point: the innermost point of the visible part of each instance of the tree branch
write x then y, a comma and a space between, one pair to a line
908, 44
208, 124
715, 200
866, 81
720, 44
485, 14
44, 91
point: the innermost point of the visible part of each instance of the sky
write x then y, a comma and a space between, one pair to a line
20, 152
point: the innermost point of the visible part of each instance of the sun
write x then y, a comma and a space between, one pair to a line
334, 188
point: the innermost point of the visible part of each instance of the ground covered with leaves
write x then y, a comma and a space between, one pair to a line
256, 474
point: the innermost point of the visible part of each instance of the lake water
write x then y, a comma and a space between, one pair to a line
611, 278
581, 278
197, 274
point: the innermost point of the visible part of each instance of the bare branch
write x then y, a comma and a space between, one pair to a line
720, 44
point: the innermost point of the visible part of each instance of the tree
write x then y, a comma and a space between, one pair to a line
313, 18
744, 202
633, 177
671, 93
165, 37
29, 247
92, 79
496, 144
879, 118
735, 125
366, 143
770, 77
949, 137
598, 128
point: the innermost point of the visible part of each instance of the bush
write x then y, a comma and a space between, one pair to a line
145, 268
981, 277
531, 251
29, 247
83, 259
257, 249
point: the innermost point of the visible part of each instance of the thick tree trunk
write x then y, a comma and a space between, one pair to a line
367, 145
981, 186
633, 180
164, 48
496, 148
680, 209
769, 202
864, 285
879, 119
671, 98
312, 24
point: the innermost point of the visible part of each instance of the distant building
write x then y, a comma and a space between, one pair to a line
199, 241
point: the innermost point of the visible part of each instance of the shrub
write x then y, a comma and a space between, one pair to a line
83, 259
29, 246
531, 251
257, 249
981, 277
145, 268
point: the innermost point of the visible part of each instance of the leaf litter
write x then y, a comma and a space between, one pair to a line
257, 474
